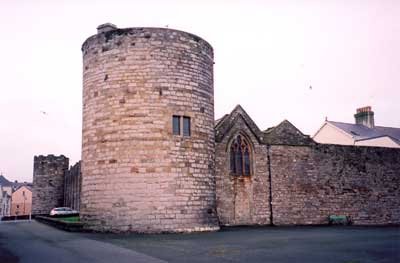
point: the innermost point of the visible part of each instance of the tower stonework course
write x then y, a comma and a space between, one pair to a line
148, 131
48, 182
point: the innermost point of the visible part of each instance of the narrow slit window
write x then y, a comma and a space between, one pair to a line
186, 126
176, 125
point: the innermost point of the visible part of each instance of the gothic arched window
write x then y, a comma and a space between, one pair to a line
240, 157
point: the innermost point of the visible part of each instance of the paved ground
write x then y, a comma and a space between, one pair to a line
268, 244
35, 242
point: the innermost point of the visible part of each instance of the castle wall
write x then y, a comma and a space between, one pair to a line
242, 200
136, 174
72, 187
48, 183
311, 183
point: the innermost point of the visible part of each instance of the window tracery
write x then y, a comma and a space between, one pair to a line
240, 161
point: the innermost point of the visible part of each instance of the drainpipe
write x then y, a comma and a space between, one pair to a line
271, 216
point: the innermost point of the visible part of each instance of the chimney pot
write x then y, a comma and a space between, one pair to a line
364, 109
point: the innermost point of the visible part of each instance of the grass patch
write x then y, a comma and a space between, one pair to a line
70, 219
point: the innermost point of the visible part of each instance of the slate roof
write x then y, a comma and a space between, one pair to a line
361, 132
4, 181
26, 185
14, 185
389, 131
286, 134
220, 120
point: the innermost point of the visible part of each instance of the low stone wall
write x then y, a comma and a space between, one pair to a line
58, 223
311, 183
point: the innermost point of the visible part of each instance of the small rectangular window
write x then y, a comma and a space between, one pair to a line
176, 125
186, 126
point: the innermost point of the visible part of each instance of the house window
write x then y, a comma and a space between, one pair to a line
240, 157
176, 125
181, 121
186, 126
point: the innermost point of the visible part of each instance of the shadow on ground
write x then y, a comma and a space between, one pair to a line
272, 244
5, 254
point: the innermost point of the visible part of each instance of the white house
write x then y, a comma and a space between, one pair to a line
5, 202
362, 133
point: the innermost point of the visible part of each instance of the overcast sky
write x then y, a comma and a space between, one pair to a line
267, 54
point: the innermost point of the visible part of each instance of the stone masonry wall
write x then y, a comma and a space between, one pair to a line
48, 183
311, 183
137, 175
72, 187
242, 200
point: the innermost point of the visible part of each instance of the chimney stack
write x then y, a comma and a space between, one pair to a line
365, 116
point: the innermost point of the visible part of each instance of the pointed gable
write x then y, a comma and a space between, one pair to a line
283, 134
225, 124
286, 134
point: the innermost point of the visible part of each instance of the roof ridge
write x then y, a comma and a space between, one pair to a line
379, 126
390, 127
348, 123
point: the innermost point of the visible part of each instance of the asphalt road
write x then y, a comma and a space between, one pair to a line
34, 242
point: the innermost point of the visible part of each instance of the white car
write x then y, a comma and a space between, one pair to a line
63, 211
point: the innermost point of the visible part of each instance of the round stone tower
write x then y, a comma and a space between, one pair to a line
148, 131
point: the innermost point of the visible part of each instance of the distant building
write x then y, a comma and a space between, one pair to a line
5, 196
5, 202
10, 189
21, 201
362, 133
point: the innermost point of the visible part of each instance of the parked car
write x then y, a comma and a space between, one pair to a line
63, 211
